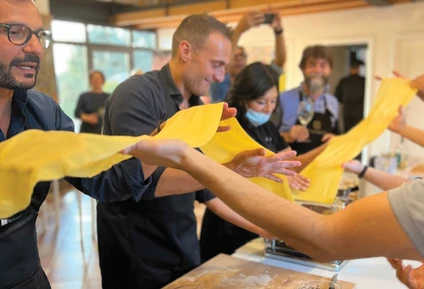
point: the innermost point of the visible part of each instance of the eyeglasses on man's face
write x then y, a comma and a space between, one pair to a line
20, 34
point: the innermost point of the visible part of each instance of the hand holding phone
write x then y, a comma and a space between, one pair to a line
269, 18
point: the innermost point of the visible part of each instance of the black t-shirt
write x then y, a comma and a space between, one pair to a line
91, 102
266, 135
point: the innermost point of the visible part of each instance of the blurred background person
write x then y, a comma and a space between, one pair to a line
309, 112
351, 93
219, 90
91, 104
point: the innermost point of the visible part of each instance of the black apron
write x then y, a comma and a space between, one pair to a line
147, 244
318, 126
18, 245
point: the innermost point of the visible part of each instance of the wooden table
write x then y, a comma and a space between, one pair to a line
228, 272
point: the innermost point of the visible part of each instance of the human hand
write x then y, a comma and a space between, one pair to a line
166, 153
255, 163
298, 182
227, 112
412, 278
399, 122
276, 23
299, 133
91, 118
252, 19
327, 137
353, 166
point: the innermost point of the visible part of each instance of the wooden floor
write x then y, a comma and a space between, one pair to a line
68, 252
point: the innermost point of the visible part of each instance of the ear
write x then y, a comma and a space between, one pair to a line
185, 50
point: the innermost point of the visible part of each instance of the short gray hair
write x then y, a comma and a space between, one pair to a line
196, 29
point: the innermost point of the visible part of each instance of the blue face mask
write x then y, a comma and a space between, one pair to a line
257, 118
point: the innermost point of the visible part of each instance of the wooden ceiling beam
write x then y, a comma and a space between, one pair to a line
157, 18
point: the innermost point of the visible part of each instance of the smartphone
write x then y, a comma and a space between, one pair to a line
269, 18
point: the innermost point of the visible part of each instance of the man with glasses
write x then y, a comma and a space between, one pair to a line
22, 39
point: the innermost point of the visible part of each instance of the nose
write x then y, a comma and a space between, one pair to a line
34, 46
268, 108
219, 75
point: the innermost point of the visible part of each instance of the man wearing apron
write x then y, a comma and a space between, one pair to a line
316, 65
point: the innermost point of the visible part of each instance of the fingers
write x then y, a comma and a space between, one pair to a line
273, 178
223, 128
327, 137
228, 112
299, 182
285, 155
378, 77
392, 262
398, 74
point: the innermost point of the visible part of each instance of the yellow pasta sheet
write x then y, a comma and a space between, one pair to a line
35, 155
325, 171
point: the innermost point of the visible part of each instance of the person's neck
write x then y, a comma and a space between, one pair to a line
5, 100
97, 90
176, 73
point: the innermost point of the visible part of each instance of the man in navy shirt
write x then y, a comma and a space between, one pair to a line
21, 49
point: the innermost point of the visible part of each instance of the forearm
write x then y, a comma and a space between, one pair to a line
222, 210
364, 229
280, 50
384, 180
255, 203
413, 134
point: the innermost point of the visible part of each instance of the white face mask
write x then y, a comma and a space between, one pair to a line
257, 118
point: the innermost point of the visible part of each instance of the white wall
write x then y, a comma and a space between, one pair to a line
43, 6
395, 38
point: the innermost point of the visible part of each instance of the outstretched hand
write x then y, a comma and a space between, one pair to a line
412, 278
255, 163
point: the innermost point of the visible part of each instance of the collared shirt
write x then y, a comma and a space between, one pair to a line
149, 243
289, 101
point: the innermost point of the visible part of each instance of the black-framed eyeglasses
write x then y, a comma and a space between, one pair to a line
20, 34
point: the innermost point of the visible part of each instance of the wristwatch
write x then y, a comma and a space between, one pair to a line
278, 31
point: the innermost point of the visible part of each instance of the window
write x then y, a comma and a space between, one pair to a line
114, 64
143, 60
71, 68
144, 39
79, 48
108, 35
66, 31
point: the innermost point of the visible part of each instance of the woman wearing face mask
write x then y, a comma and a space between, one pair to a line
255, 96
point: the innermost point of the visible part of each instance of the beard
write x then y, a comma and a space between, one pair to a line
316, 83
8, 81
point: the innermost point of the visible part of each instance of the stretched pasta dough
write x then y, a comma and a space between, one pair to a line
34, 155
325, 171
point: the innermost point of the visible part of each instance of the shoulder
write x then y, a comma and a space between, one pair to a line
40, 99
140, 85
290, 93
